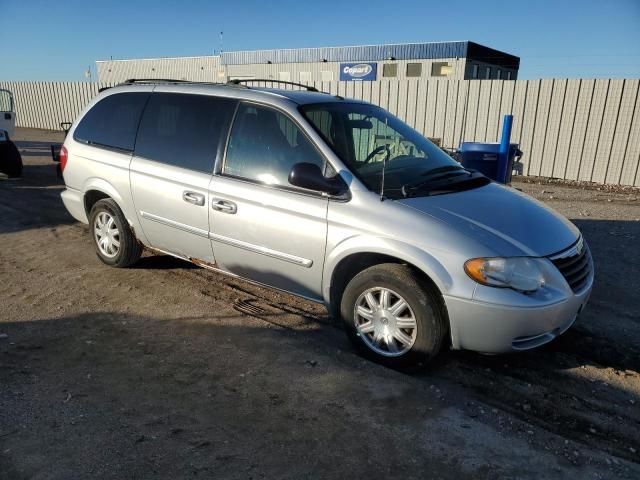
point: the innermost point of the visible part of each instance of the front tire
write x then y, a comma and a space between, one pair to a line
393, 316
114, 241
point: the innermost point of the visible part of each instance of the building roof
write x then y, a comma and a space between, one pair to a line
361, 53
358, 53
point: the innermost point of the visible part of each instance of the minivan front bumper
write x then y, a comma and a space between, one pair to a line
493, 328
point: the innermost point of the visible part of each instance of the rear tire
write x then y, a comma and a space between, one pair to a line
10, 159
385, 329
113, 238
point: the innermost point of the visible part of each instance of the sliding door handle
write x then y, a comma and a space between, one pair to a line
224, 206
193, 198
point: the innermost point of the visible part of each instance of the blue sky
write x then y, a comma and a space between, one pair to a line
59, 40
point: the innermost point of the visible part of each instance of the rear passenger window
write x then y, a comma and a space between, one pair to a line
183, 130
113, 121
265, 145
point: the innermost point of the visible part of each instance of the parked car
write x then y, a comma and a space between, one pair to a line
331, 199
7, 112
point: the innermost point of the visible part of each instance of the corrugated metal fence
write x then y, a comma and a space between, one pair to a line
46, 104
571, 129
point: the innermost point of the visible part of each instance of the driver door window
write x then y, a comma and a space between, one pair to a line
264, 146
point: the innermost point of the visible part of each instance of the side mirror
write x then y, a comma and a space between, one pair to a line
309, 176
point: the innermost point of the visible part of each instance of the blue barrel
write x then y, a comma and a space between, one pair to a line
484, 158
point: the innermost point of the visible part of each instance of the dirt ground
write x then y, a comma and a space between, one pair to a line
167, 370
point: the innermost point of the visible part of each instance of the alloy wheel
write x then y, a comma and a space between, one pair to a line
385, 322
106, 234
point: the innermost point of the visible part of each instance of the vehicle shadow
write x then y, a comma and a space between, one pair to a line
33, 200
141, 394
544, 387
35, 148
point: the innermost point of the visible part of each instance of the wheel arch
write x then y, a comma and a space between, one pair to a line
96, 189
361, 253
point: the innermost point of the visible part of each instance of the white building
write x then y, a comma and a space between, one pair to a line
455, 60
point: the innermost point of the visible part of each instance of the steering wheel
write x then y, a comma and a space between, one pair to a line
375, 152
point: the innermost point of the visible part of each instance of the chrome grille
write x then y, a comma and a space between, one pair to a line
575, 264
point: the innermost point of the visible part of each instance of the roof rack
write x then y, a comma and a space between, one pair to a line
309, 88
153, 80
133, 81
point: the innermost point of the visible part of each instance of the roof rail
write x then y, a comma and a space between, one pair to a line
238, 81
133, 81
143, 81
153, 80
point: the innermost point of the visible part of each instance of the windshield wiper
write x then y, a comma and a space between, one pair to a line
446, 182
445, 168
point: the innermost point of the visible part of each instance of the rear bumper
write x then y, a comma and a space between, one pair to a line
74, 202
492, 328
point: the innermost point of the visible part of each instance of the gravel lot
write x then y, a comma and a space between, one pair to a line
167, 370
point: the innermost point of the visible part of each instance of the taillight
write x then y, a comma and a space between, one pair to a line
64, 156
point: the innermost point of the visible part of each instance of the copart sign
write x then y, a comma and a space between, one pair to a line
358, 71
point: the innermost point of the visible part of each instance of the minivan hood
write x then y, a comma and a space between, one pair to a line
503, 219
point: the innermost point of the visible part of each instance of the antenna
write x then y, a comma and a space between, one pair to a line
221, 34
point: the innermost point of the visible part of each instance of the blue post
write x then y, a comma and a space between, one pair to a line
503, 151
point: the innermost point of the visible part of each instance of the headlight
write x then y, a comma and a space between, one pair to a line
520, 273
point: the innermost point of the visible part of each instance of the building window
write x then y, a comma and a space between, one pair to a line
414, 69
499, 74
305, 76
285, 76
508, 75
440, 69
487, 72
326, 75
390, 70
474, 72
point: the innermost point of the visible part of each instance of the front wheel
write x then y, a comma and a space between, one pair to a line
393, 316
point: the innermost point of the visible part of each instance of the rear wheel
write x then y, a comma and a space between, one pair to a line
10, 159
115, 243
393, 316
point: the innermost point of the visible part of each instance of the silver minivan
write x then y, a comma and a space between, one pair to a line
331, 199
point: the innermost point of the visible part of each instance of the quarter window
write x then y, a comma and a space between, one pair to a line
112, 122
183, 130
265, 145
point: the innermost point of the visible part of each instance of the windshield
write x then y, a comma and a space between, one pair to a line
364, 136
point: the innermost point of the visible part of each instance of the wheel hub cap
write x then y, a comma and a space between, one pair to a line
385, 322
106, 234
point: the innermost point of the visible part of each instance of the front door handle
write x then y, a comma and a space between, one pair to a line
193, 198
224, 206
